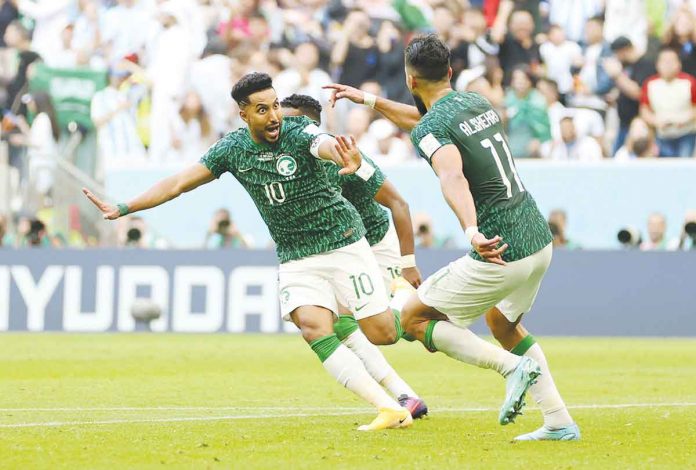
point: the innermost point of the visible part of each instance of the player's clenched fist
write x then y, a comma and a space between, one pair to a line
108, 211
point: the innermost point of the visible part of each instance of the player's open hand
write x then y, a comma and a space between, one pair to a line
412, 275
344, 91
109, 212
348, 150
489, 249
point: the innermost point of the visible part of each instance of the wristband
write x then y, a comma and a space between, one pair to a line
122, 209
408, 261
365, 171
470, 232
369, 100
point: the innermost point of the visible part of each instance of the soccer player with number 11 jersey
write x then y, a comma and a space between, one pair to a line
463, 140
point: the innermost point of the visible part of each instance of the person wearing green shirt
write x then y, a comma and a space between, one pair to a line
319, 237
462, 138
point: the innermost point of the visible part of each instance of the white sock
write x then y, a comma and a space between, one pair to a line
377, 365
463, 345
350, 372
546, 394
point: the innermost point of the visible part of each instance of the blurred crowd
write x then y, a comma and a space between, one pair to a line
573, 80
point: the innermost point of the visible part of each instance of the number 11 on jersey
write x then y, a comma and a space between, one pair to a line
488, 144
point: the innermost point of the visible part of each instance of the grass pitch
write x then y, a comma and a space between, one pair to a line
226, 401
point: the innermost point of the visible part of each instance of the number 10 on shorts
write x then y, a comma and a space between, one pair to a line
362, 283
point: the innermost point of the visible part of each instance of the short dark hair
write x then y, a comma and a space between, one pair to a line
305, 104
622, 42
250, 84
429, 57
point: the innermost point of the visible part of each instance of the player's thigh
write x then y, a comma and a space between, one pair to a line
388, 255
314, 322
357, 280
302, 283
416, 315
465, 289
520, 300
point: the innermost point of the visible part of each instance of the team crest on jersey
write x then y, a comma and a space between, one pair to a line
286, 165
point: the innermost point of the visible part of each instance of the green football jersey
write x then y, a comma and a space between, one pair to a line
304, 213
361, 194
503, 205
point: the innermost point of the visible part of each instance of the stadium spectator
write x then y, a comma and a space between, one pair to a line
425, 233
384, 145
559, 55
358, 122
687, 238
8, 13
355, 53
528, 121
124, 29
590, 80
305, 77
223, 232
657, 228
113, 114
627, 19
572, 15
87, 33
40, 141
31, 232
571, 146
18, 38
558, 222
390, 64
517, 46
171, 53
587, 122
668, 103
628, 69
487, 81
191, 130
4, 236
133, 232
680, 36
640, 142
50, 18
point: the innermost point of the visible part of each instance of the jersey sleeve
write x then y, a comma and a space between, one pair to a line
428, 138
307, 135
217, 158
370, 185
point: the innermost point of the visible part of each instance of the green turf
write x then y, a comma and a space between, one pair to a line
267, 378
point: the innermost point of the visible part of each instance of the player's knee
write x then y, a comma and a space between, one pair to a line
500, 327
381, 333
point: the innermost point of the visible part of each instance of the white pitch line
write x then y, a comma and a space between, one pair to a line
316, 413
328, 408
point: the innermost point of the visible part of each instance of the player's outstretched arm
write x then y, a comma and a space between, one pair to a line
389, 197
447, 163
402, 115
165, 190
341, 150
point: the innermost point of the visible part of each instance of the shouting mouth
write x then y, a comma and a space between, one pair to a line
273, 131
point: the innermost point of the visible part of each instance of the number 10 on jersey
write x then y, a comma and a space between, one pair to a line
275, 192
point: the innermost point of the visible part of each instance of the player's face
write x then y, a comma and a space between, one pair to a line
412, 85
263, 116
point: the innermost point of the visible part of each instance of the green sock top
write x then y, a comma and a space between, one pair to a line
523, 346
325, 346
345, 326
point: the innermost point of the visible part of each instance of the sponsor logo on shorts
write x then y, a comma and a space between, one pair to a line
357, 309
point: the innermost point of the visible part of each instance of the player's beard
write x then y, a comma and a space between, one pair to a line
420, 105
